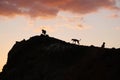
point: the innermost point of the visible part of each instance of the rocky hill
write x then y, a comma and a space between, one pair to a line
46, 58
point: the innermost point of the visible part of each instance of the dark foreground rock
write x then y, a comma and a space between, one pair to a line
47, 58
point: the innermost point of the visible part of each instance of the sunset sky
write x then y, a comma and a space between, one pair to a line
93, 21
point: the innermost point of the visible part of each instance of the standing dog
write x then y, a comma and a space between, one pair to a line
76, 41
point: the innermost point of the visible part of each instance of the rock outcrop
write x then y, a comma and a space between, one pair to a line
47, 58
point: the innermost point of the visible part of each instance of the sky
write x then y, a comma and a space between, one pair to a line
92, 21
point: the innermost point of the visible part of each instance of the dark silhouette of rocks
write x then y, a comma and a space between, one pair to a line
47, 58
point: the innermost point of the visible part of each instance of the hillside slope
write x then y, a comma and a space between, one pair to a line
47, 58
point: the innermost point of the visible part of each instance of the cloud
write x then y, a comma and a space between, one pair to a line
80, 26
117, 28
88, 6
50, 8
113, 16
83, 27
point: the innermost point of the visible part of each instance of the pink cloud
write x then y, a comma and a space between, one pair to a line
50, 8
113, 16
117, 28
